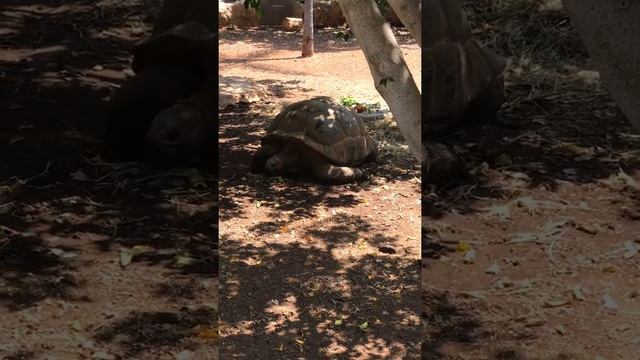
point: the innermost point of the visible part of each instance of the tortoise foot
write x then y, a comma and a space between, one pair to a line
442, 165
337, 174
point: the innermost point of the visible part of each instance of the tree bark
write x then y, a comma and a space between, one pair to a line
390, 73
409, 12
609, 31
307, 31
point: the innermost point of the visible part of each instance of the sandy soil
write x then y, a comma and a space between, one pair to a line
535, 256
308, 270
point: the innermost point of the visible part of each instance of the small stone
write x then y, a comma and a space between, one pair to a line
137, 31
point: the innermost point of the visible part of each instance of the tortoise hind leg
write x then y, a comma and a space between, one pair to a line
262, 155
337, 174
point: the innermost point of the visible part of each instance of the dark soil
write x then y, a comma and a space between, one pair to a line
69, 218
534, 257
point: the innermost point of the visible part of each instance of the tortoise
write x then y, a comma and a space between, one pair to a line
317, 137
465, 85
166, 110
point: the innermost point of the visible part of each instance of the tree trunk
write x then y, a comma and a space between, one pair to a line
392, 77
307, 31
609, 30
409, 12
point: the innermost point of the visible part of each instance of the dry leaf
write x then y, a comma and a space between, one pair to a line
125, 257
79, 175
469, 257
608, 303
493, 269
578, 292
556, 302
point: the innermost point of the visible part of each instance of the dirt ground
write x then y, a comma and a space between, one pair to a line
535, 256
98, 259
311, 271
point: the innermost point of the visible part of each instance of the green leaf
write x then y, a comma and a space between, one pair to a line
348, 101
256, 5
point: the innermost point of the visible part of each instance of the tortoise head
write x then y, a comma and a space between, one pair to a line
179, 130
288, 157
275, 165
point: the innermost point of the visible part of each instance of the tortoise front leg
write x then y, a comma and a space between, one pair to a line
262, 155
337, 174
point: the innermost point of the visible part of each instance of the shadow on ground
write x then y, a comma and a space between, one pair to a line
558, 125
315, 290
59, 200
289, 198
284, 283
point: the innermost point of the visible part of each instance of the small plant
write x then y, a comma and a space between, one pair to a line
348, 101
255, 5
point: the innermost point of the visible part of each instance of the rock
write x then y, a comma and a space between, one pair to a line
325, 14
292, 24
234, 90
551, 5
224, 15
235, 14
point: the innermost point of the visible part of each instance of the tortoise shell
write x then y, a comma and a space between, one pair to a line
464, 77
324, 126
189, 43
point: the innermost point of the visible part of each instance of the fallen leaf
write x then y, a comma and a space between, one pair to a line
631, 250
79, 175
209, 333
141, 249
469, 257
15, 139
125, 257
475, 294
463, 247
76, 325
63, 254
609, 303
101, 355
556, 302
578, 292
183, 355
499, 211
182, 261
493, 269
